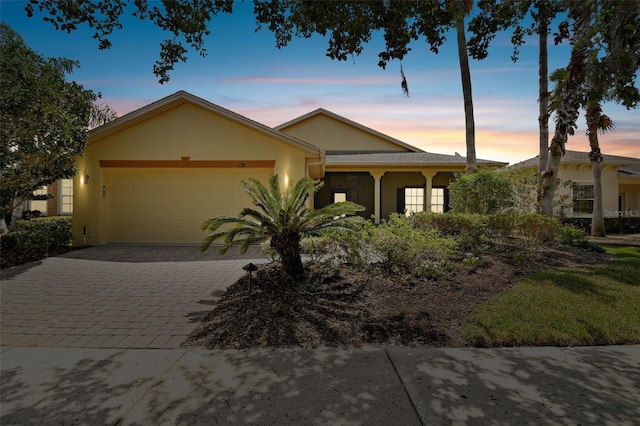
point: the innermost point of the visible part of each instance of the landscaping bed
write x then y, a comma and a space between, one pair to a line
340, 306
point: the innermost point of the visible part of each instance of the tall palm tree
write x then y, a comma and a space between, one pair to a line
597, 121
281, 216
463, 56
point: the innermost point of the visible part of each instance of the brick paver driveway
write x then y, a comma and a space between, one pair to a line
115, 296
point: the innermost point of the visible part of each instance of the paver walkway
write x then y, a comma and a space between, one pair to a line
115, 297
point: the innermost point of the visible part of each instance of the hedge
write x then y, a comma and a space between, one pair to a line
613, 225
38, 235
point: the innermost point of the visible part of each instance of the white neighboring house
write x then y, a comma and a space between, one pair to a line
620, 183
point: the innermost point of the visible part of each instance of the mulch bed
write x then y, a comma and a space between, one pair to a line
347, 308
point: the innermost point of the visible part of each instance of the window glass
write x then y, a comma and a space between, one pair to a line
39, 204
66, 196
437, 200
413, 200
339, 197
583, 199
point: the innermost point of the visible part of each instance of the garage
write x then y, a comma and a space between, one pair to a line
156, 205
154, 175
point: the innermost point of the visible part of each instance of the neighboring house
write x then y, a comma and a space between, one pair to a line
620, 183
155, 174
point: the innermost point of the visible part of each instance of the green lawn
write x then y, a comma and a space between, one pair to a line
565, 306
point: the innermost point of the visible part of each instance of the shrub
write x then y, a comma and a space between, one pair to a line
317, 247
502, 224
538, 228
573, 236
483, 192
401, 248
468, 230
351, 247
25, 242
526, 187
52, 232
36, 237
613, 225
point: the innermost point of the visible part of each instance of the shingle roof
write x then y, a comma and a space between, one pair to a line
633, 170
579, 157
403, 159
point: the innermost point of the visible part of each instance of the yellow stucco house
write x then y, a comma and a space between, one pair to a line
620, 183
155, 174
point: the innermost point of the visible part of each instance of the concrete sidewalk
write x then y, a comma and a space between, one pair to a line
367, 386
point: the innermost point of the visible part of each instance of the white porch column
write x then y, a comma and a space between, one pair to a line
428, 175
377, 175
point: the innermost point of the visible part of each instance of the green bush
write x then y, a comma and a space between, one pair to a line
483, 192
613, 225
25, 242
503, 224
401, 248
317, 247
573, 236
47, 232
468, 230
538, 228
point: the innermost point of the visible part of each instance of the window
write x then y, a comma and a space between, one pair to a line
40, 205
66, 196
582, 199
339, 197
413, 200
437, 200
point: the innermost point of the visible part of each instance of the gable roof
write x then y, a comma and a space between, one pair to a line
322, 111
579, 157
407, 159
181, 97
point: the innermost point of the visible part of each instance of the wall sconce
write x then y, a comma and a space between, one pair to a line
84, 178
104, 191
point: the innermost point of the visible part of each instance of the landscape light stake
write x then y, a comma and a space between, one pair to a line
250, 267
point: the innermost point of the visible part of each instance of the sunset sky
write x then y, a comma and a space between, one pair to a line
246, 73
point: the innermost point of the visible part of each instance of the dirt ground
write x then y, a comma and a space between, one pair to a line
347, 308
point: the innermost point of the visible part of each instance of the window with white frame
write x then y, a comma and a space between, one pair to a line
582, 199
65, 197
339, 197
413, 200
40, 205
437, 200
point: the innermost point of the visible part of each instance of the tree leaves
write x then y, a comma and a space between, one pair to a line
44, 119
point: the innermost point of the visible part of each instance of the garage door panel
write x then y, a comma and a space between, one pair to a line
169, 205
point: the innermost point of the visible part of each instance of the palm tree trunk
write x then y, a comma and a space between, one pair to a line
543, 88
597, 219
568, 108
288, 247
543, 118
463, 56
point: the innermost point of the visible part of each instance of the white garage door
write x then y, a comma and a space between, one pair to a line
169, 205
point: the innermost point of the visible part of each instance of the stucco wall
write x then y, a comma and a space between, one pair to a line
583, 174
631, 193
185, 131
389, 184
333, 135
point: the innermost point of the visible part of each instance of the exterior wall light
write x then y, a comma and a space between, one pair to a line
84, 178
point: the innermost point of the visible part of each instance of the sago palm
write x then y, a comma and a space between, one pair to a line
281, 216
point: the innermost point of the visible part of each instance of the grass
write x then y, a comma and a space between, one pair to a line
597, 305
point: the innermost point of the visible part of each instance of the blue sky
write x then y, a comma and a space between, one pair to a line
246, 73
